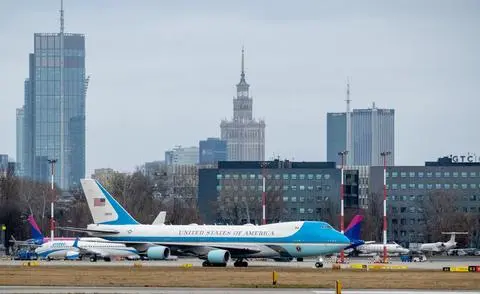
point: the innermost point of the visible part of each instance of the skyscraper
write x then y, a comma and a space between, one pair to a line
373, 132
212, 151
245, 136
182, 156
20, 136
54, 110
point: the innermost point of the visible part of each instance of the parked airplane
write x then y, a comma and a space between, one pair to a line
377, 248
73, 249
441, 246
216, 244
38, 238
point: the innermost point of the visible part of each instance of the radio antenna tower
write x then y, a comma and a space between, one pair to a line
349, 127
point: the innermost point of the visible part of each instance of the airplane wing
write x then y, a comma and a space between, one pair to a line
369, 242
80, 230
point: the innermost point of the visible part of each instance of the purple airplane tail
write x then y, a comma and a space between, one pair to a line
36, 233
353, 230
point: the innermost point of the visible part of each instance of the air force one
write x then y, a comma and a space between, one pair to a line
215, 244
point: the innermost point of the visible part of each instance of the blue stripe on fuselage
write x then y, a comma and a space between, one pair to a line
310, 232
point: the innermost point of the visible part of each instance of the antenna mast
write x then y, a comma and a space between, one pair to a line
349, 127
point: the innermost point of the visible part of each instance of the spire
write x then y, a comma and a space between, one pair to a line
61, 17
242, 75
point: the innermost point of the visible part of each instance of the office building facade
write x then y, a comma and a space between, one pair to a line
182, 156
54, 109
232, 192
245, 136
414, 190
212, 151
372, 131
20, 137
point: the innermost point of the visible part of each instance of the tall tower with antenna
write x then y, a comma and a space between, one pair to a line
348, 123
244, 134
54, 110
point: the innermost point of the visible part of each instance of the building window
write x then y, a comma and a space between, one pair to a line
260, 188
219, 177
302, 210
438, 186
473, 174
310, 176
411, 174
302, 177
420, 197
473, 186
294, 199
294, 188
403, 174
219, 188
285, 188
393, 197
421, 186
394, 186
455, 174
285, 198
455, 186
277, 177
227, 177
302, 187
429, 174
464, 186
429, 186
302, 199
412, 221
395, 209
244, 176
310, 210
387, 174
403, 221
327, 187
403, 186
404, 197
411, 186
310, 188
252, 188
464, 174
294, 176
446, 174
327, 176
394, 174
412, 197
319, 188
473, 197
260, 177
319, 198
438, 174
447, 186
420, 174
411, 209
252, 176
285, 176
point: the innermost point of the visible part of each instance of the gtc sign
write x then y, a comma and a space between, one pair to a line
469, 157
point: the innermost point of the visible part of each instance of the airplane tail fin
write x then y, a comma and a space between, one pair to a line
103, 207
353, 230
75, 243
36, 233
160, 220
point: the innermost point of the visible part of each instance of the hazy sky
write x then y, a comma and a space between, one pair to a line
163, 73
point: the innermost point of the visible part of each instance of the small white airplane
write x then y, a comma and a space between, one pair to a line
377, 248
441, 246
73, 249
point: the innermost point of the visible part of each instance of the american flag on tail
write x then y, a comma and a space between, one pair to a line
98, 201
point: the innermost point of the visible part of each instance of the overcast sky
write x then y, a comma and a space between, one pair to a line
163, 73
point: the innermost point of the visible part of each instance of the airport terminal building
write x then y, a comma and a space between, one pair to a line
418, 196
232, 192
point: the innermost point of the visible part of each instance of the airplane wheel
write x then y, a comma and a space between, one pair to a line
318, 264
206, 263
93, 259
107, 259
245, 264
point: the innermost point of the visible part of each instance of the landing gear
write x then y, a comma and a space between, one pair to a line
240, 263
107, 259
319, 263
207, 263
93, 258
299, 259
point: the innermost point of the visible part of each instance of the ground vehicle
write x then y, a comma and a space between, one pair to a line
24, 254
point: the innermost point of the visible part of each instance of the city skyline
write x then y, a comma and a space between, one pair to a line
417, 58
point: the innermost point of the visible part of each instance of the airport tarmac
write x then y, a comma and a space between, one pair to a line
143, 290
431, 263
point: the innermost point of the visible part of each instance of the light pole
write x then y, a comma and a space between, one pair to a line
384, 155
342, 154
52, 174
264, 164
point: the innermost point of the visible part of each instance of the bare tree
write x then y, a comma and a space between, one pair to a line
373, 221
443, 213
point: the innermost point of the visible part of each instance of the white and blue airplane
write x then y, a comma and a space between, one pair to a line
73, 249
216, 244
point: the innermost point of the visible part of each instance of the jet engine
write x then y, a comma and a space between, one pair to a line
71, 255
158, 252
218, 256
